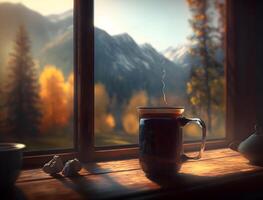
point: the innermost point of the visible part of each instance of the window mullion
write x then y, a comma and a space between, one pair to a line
85, 76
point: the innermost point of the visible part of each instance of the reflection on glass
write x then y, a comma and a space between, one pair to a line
36, 73
148, 52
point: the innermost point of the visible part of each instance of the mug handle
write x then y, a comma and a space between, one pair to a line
184, 121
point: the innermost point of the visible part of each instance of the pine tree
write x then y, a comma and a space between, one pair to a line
206, 83
23, 113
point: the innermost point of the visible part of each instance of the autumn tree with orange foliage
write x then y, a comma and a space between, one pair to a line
54, 99
104, 121
206, 84
130, 115
70, 94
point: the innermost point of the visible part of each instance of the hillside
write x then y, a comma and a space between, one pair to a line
40, 28
121, 64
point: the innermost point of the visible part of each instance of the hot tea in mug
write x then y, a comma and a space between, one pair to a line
161, 139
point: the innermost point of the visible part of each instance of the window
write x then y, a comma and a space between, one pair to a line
37, 81
162, 53
89, 82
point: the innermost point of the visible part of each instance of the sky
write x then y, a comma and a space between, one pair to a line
46, 7
162, 23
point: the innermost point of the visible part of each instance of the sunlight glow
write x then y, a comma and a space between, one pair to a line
45, 7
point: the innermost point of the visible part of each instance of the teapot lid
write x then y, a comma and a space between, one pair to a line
252, 140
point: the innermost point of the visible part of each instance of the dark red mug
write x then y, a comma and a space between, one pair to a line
161, 140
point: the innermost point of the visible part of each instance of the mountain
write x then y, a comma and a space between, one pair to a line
60, 17
40, 28
122, 65
133, 67
59, 52
14, 15
181, 55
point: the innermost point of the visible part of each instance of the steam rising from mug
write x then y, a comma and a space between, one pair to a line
163, 89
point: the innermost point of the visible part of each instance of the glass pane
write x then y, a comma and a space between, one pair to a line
147, 52
36, 73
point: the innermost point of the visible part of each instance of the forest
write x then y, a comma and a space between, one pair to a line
34, 104
37, 98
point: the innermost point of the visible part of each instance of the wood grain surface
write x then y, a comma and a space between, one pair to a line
125, 179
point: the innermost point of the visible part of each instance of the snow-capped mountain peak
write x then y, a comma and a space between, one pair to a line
176, 53
181, 55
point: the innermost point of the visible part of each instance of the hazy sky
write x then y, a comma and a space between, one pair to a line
162, 23
46, 7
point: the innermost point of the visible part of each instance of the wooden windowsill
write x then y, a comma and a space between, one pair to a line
219, 172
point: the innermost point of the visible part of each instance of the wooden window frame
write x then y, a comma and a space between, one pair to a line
85, 148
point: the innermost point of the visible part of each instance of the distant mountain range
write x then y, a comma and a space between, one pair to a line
42, 30
122, 65
120, 61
